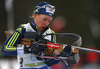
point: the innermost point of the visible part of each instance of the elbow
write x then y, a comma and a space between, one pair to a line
8, 53
3, 53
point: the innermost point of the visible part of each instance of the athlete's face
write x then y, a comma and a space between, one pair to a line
42, 21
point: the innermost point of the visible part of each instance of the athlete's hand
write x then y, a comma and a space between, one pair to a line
67, 51
37, 48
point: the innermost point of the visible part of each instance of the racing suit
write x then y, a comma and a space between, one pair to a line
26, 61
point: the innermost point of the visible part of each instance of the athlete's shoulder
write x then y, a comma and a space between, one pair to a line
25, 25
21, 28
50, 30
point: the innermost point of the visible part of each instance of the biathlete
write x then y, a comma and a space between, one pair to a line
42, 16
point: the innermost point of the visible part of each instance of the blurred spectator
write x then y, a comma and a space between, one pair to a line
8, 63
58, 24
88, 60
91, 61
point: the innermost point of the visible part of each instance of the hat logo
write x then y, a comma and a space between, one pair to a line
50, 14
50, 10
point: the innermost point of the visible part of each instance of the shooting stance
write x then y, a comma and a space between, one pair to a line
28, 43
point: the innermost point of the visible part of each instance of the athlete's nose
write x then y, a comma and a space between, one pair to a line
46, 23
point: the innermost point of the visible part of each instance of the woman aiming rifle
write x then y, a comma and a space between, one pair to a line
42, 16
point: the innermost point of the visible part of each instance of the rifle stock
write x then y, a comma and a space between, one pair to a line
51, 46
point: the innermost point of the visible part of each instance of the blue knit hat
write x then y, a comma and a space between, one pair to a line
44, 8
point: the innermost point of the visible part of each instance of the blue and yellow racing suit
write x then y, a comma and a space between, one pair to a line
12, 47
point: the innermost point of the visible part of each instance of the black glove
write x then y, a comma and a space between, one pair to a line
38, 48
67, 51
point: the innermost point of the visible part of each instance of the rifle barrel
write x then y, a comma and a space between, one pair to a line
87, 49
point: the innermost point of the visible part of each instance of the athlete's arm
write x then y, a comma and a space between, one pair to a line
9, 48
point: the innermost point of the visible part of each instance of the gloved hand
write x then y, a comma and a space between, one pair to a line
37, 48
67, 51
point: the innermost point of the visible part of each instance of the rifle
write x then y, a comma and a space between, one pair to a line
31, 37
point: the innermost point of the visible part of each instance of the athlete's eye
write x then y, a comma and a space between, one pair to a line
44, 19
49, 21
